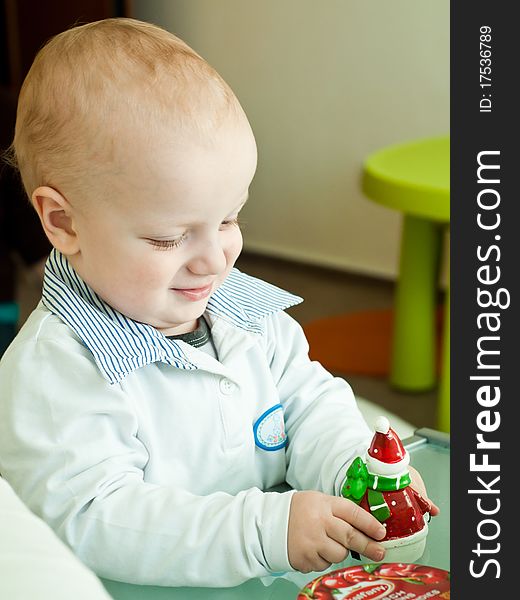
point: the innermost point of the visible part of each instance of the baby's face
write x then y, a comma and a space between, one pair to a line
166, 237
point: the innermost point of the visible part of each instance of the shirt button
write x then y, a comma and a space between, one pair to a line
226, 386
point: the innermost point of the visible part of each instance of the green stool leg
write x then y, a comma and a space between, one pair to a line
413, 353
443, 418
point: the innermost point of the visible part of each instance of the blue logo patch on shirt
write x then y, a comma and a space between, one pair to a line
269, 429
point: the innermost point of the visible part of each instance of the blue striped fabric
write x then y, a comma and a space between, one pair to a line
120, 345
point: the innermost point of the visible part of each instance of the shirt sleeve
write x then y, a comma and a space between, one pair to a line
34, 563
70, 447
325, 429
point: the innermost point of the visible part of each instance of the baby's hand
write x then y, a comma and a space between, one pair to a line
418, 486
323, 528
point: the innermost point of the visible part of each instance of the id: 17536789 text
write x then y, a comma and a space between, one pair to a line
485, 68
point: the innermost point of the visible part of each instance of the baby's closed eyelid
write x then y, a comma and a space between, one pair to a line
167, 244
233, 221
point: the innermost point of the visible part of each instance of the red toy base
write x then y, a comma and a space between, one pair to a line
382, 580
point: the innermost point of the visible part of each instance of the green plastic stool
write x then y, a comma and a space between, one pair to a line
414, 178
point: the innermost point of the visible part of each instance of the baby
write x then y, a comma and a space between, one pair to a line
156, 393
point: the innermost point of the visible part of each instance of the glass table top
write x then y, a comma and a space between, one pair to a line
429, 454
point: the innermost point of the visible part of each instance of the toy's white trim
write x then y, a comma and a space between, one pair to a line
407, 549
378, 467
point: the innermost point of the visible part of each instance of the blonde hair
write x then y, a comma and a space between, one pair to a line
87, 81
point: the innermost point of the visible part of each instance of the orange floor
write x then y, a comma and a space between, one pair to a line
357, 343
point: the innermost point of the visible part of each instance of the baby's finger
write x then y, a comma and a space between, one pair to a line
315, 563
419, 486
336, 529
349, 537
359, 518
434, 509
333, 551
372, 550
417, 481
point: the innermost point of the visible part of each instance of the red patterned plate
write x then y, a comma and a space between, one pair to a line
381, 580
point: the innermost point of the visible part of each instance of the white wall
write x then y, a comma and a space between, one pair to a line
324, 83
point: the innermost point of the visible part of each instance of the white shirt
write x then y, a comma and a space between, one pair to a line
33, 561
153, 467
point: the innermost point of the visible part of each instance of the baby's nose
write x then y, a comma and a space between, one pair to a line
209, 260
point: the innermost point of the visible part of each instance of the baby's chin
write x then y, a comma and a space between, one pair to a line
168, 329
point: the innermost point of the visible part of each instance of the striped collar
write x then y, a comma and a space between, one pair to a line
120, 345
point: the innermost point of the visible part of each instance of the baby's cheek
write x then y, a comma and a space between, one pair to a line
235, 246
134, 287
154, 272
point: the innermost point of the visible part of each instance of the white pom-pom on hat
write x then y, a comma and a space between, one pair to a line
382, 425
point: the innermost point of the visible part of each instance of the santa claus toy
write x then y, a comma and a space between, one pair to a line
381, 486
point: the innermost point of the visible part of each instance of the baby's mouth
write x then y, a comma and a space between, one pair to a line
194, 294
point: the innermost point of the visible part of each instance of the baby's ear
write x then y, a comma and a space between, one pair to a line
56, 216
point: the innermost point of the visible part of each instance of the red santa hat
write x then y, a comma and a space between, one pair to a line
386, 455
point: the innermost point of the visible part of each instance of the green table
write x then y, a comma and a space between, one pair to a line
429, 453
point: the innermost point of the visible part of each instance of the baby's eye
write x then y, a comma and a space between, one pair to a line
230, 223
167, 244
